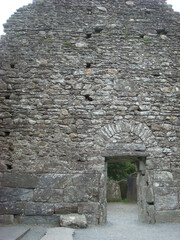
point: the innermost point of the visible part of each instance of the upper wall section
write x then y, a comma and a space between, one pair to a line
69, 68
147, 16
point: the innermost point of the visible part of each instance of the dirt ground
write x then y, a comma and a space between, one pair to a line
123, 224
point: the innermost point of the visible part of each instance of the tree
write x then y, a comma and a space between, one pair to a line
119, 171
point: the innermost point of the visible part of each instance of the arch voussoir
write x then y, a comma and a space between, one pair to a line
141, 130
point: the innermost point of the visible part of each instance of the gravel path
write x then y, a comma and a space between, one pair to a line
123, 225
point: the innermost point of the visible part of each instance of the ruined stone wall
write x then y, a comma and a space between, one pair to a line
81, 81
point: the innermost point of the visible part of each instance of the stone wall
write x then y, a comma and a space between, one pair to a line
81, 81
113, 191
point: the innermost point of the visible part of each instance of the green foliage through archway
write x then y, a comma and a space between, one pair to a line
119, 171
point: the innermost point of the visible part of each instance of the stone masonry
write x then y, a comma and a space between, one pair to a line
84, 83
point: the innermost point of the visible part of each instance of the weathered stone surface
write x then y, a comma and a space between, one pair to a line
151, 214
149, 195
102, 8
66, 208
55, 180
32, 209
166, 198
3, 85
19, 180
78, 179
85, 208
167, 216
15, 194
48, 195
130, 3
6, 219
164, 178
12, 208
113, 191
80, 194
134, 147
73, 220
82, 83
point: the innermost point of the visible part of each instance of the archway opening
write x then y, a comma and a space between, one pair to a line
123, 184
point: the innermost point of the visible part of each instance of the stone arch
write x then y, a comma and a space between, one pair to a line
139, 129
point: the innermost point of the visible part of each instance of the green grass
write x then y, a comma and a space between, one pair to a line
124, 200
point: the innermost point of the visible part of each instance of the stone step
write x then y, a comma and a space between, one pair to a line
13, 232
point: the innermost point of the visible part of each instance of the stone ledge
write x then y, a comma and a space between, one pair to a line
53, 220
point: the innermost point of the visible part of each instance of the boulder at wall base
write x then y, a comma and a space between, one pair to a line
113, 191
73, 220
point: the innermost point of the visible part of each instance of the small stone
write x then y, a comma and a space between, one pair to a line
64, 112
163, 37
2, 72
42, 33
9, 87
32, 121
98, 29
131, 20
112, 71
88, 71
73, 135
112, 25
73, 220
130, 3
81, 44
3, 85
41, 61
155, 127
103, 9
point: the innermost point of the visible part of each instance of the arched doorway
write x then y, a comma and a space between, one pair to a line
140, 160
135, 141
